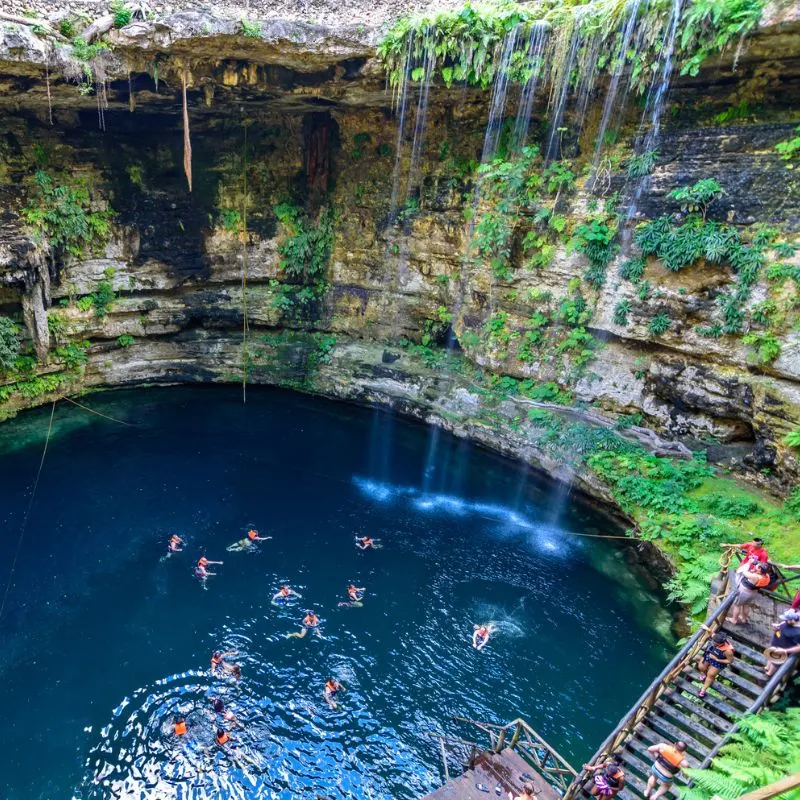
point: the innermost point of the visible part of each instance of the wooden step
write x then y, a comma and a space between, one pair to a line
748, 671
635, 781
698, 709
719, 706
655, 730
743, 681
729, 693
747, 648
681, 717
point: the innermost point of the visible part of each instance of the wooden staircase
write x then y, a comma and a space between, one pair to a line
671, 708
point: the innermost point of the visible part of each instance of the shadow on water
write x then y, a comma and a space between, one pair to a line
105, 640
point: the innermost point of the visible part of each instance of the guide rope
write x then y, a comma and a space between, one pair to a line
92, 411
28, 511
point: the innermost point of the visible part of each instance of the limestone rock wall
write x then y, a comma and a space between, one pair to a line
302, 116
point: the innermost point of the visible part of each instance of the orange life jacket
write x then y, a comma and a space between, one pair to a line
670, 756
223, 738
202, 561
252, 534
331, 686
180, 728
311, 619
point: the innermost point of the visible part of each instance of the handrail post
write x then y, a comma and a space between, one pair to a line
501, 740
517, 733
444, 760
472, 756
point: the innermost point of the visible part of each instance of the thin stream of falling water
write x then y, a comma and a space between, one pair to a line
538, 35
656, 98
561, 95
613, 88
418, 143
401, 124
497, 105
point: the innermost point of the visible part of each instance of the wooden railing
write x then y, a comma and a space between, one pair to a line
645, 703
518, 735
779, 590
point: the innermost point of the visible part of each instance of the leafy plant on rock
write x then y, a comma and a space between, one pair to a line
659, 324
9, 344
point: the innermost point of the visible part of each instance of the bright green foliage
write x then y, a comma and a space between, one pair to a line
73, 354
789, 150
642, 164
659, 324
250, 29
305, 252
633, 269
35, 387
67, 28
231, 220
63, 213
765, 347
595, 239
360, 140
697, 197
496, 331
709, 26
9, 344
125, 340
57, 326
792, 439
103, 297
621, 311
730, 507
765, 748
467, 41
85, 54
792, 504
122, 14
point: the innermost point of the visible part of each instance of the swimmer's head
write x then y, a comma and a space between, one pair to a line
219, 706
179, 719
216, 654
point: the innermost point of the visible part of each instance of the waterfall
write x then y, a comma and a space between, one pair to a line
537, 38
497, 104
402, 105
613, 87
650, 127
428, 65
559, 93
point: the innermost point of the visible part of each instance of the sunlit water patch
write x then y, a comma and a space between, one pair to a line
106, 640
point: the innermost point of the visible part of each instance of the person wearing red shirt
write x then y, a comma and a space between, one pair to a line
754, 552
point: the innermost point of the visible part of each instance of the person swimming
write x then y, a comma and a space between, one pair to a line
283, 595
179, 726
310, 623
222, 737
202, 572
365, 543
248, 542
218, 659
175, 544
481, 634
355, 596
332, 688
225, 713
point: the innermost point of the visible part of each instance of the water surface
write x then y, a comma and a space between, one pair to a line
104, 639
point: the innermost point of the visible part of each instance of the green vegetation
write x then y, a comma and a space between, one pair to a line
640, 165
63, 213
250, 29
659, 324
73, 355
9, 344
765, 748
305, 251
789, 150
679, 246
122, 13
34, 387
231, 220
595, 239
467, 41
792, 439
764, 347
621, 311
125, 340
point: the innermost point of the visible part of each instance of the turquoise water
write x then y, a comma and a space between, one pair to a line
104, 639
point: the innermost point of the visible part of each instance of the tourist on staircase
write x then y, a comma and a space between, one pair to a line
527, 793
669, 760
752, 579
608, 777
718, 654
785, 640
753, 551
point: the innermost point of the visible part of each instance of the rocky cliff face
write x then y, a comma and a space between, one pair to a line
293, 149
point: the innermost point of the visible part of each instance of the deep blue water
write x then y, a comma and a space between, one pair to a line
104, 639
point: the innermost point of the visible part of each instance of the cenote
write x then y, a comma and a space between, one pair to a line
105, 640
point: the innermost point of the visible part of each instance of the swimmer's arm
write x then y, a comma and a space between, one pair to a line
294, 593
215, 562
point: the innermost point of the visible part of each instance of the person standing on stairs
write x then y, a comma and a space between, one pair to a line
608, 777
669, 761
785, 639
718, 654
750, 581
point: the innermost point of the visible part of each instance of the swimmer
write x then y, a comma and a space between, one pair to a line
283, 595
310, 622
226, 713
232, 670
481, 635
179, 726
332, 688
222, 737
355, 595
365, 543
249, 542
218, 659
175, 544
202, 572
